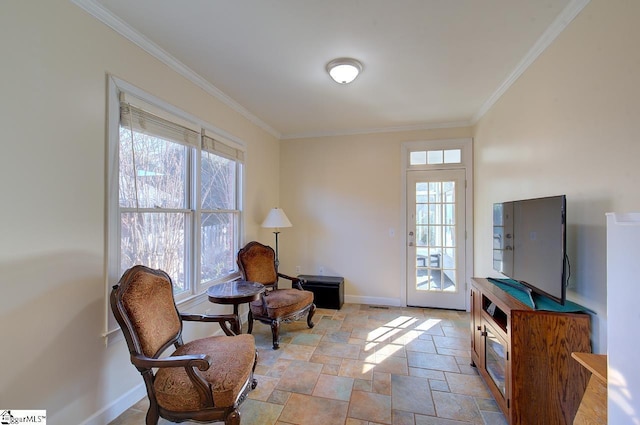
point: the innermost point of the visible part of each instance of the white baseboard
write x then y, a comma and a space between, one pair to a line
117, 407
356, 299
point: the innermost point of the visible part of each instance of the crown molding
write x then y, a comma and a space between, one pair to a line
557, 26
353, 132
98, 11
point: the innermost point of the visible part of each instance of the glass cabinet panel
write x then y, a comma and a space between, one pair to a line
496, 358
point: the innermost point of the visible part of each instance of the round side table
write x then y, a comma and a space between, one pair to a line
236, 292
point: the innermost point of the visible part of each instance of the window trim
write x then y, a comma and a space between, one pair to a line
115, 87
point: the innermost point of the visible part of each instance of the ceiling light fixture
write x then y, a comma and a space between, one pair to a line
344, 70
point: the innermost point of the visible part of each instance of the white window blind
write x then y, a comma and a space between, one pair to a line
214, 144
140, 119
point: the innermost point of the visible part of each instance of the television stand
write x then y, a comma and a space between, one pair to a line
524, 356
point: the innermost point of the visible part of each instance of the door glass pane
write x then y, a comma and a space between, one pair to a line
449, 192
449, 278
422, 214
449, 214
435, 236
435, 281
421, 235
422, 192
422, 257
435, 216
423, 278
449, 236
435, 192
449, 258
435, 258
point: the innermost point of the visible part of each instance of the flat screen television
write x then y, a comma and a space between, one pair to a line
529, 244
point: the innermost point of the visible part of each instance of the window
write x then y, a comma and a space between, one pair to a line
435, 157
219, 209
178, 198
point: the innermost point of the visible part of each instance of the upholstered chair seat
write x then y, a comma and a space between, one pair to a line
234, 359
281, 303
257, 264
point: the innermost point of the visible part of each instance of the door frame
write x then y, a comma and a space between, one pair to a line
466, 147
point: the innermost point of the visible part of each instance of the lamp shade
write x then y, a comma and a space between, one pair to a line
344, 70
276, 219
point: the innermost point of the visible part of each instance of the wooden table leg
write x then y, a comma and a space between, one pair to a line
238, 325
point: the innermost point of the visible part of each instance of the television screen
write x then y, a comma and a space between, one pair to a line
529, 244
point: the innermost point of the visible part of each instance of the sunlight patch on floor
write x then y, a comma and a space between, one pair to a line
403, 336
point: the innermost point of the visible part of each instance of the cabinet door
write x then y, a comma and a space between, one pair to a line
547, 382
477, 343
496, 363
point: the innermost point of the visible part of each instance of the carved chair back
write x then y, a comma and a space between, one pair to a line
257, 264
145, 308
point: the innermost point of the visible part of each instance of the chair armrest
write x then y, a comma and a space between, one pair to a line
201, 361
192, 364
295, 282
223, 319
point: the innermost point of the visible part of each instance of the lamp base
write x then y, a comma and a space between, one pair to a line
277, 262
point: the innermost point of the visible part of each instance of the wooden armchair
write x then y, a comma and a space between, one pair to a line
257, 264
204, 380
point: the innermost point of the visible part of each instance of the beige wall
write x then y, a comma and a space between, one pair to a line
570, 126
55, 60
343, 196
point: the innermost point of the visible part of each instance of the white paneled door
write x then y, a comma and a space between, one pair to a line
436, 239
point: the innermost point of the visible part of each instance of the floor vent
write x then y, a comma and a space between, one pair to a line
380, 307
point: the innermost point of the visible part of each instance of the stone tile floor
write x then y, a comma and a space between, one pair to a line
365, 365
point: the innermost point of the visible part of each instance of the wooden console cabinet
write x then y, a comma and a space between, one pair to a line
524, 356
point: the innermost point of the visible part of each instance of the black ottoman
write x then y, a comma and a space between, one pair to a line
328, 291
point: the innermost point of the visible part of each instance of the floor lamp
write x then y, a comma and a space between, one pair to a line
276, 219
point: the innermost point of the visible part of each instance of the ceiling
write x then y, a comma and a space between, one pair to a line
427, 63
